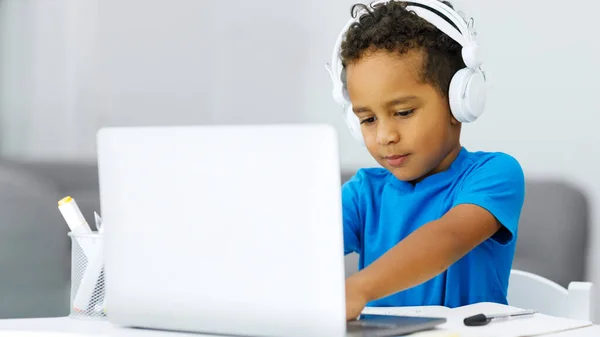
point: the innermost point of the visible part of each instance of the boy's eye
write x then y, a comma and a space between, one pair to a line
367, 120
405, 113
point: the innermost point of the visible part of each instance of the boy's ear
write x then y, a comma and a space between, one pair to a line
453, 120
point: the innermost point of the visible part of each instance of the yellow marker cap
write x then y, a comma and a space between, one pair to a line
65, 200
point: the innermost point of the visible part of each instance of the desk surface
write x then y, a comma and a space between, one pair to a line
103, 328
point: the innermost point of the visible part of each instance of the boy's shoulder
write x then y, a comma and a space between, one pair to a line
481, 157
495, 164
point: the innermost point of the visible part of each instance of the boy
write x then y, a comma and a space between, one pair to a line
437, 224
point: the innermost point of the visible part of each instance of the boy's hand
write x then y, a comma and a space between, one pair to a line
356, 299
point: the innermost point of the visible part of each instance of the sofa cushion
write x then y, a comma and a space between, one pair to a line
34, 247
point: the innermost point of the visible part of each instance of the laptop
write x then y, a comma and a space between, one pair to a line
230, 230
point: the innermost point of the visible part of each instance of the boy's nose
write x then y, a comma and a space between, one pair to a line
387, 133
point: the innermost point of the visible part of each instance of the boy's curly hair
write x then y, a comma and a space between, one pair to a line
392, 27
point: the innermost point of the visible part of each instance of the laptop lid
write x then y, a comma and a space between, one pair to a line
223, 229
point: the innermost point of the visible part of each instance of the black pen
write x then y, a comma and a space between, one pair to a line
482, 319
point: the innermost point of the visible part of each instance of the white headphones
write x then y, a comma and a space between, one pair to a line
467, 93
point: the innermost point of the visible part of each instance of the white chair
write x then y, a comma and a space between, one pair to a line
531, 291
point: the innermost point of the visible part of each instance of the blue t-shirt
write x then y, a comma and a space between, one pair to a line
380, 211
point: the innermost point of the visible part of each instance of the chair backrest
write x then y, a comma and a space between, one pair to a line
530, 291
553, 212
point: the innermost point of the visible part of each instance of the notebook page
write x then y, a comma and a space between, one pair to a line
534, 325
427, 311
527, 326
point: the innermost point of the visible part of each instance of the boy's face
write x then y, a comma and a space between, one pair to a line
406, 124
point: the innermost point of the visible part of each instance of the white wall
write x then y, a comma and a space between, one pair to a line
544, 107
71, 66
187, 62
195, 63
46, 62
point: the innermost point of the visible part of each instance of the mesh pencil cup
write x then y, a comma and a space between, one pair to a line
87, 276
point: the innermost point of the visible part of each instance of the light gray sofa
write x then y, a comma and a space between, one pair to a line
35, 248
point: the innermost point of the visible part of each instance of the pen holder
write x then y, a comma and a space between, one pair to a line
87, 276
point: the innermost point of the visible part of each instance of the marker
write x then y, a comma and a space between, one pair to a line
93, 252
89, 281
76, 222
101, 307
72, 215
98, 220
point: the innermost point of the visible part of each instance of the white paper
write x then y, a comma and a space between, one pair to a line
526, 326
426, 311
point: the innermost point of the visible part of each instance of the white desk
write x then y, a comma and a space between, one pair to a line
103, 328
80, 326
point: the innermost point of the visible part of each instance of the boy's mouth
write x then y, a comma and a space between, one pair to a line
396, 160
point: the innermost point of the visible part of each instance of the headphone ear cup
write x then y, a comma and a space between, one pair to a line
467, 95
353, 123
339, 91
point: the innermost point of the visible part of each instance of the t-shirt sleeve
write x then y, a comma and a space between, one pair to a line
497, 185
351, 214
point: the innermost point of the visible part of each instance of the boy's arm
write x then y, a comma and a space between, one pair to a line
425, 253
488, 205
